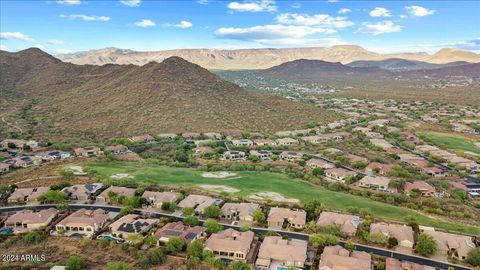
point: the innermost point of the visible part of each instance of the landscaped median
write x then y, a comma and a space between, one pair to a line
251, 183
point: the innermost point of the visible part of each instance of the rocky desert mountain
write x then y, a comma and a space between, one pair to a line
67, 100
259, 58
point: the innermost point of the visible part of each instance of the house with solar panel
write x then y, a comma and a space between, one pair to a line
81, 193
132, 224
178, 229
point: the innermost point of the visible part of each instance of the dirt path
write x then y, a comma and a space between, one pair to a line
12, 125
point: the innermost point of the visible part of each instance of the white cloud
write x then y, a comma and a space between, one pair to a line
55, 42
181, 24
326, 21
278, 35
380, 12
296, 5
333, 1
203, 2
131, 3
3, 47
69, 2
403, 16
419, 11
344, 11
85, 17
379, 28
253, 6
145, 23
15, 36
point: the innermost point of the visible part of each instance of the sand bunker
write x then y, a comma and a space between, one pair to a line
218, 174
121, 176
273, 196
219, 188
77, 170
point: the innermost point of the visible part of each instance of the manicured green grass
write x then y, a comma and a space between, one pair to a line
252, 182
452, 141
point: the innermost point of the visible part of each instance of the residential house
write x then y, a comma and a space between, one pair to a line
199, 151
379, 168
170, 136
117, 149
354, 159
291, 155
190, 135
132, 224
334, 151
339, 174
435, 171
142, 139
27, 194
89, 151
4, 167
197, 202
285, 218
156, 199
286, 141
213, 135
83, 222
423, 187
454, 245
234, 155
25, 162
315, 139
348, 223
178, 229
394, 264
319, 163
265, 142
403, 233
28, 220
19, 144
242, 142
382, 143
239, 211
336, 257
278, 253
335, 136
82, 192
262, 154
231, 245
379, 183
104, 197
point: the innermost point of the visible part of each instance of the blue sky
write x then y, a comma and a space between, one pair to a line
60, 26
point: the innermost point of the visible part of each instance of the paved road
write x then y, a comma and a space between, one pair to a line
262, 231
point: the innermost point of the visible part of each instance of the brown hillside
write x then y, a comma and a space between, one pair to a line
50, 98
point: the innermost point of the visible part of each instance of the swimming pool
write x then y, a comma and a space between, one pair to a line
6, 231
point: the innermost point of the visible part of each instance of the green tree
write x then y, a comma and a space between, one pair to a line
118, 266
322, 240
212, 211
126, 210
188, 211
259, 217
473, 257
150, 240
392, 242
75, 263
190, 221
239, 265
318, 171
378, 238
426, 245
175, 244
313, 209
153, 257
169, 206
52, 196
349, 245
212, 226
195, 249
33, 237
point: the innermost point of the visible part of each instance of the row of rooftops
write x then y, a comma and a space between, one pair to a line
233, 244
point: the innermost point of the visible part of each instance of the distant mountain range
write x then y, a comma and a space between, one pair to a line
387, 70
49, 98
262, 58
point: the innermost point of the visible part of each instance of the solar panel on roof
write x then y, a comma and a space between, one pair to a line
172, 233
190, 235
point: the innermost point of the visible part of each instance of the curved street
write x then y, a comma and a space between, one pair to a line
261, 231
